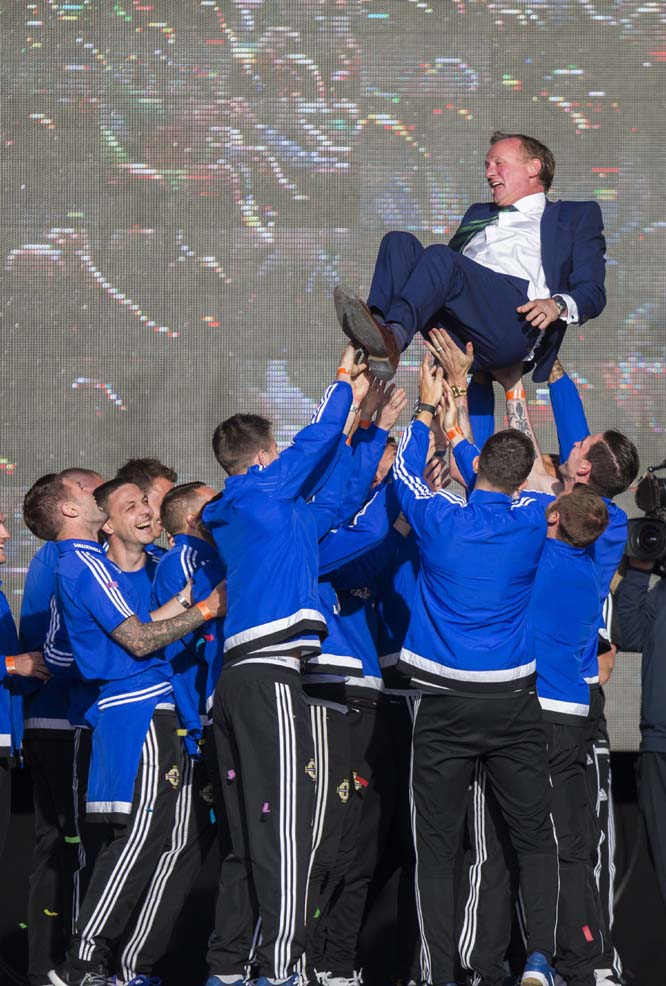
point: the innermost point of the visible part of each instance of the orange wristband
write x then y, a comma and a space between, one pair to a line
454, 432
10, 664
365, 423
205, 611
343, 369
517, 394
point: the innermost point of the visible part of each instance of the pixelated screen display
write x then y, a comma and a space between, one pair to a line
184, 182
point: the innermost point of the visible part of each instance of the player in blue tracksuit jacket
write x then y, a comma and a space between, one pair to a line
469, 645
115, 642
606, 463
267, 535
20, 673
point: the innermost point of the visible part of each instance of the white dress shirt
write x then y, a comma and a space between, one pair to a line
512, 245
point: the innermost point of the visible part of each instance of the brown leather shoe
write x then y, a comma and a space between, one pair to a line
371, 334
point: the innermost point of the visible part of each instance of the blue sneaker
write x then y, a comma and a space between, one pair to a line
537, 972
145, 981
218, 981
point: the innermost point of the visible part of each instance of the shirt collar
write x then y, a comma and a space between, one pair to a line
72, 544
489, 496
205, 549
531, 205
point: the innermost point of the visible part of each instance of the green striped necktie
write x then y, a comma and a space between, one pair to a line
463, 235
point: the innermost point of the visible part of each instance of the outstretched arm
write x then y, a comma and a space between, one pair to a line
568, 410
414, 495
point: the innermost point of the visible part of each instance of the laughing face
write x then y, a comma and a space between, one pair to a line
510, 174
130, 515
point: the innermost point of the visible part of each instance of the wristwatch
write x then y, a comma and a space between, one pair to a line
561, 305
422, 406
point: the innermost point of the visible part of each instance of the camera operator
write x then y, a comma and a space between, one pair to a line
641, 612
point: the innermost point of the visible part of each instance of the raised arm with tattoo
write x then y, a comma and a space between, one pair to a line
518, 416
142, 639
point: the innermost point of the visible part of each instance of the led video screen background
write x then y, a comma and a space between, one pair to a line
184, 181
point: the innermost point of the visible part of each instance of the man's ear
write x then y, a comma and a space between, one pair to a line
69, 508
552, 517
475, 463
107, 527
584, 470
534, 167
193, 520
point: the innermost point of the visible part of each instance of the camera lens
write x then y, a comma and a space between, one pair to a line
647, 538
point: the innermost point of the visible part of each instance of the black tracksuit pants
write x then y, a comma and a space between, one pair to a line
332, 833
50, 756
264, 745
490, 886
66, 845
125, 867
601, 825
377, 783
149, 931
451, 734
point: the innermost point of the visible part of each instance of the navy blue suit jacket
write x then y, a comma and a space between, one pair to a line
572, 254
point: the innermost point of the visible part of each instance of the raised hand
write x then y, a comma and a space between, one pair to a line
392, 408
455, 362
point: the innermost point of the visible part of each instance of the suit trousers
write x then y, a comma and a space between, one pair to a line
421, 287
652, 801
451, 734
265, 750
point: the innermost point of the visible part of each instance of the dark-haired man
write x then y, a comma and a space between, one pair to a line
607, 464
469, 649
517, 266
63, 853
194, 832
155, 479
267, 534
137, 752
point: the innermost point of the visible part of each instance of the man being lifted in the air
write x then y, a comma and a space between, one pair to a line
518, 270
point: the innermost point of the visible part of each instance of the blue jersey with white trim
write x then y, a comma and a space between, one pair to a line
266, 534
562, 617
46, 707
607, 551
193, 655
94, 597
468, 630
11, 704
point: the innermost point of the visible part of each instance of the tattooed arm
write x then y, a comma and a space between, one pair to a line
142, 639
518, 416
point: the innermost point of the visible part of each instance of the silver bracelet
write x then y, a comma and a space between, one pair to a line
183, 601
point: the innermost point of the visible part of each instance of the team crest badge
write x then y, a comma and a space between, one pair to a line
173, 776
311, 769
206, 794
343, 791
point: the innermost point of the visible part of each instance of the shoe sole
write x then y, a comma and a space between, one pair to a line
534, 979
55, 979
360, 327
